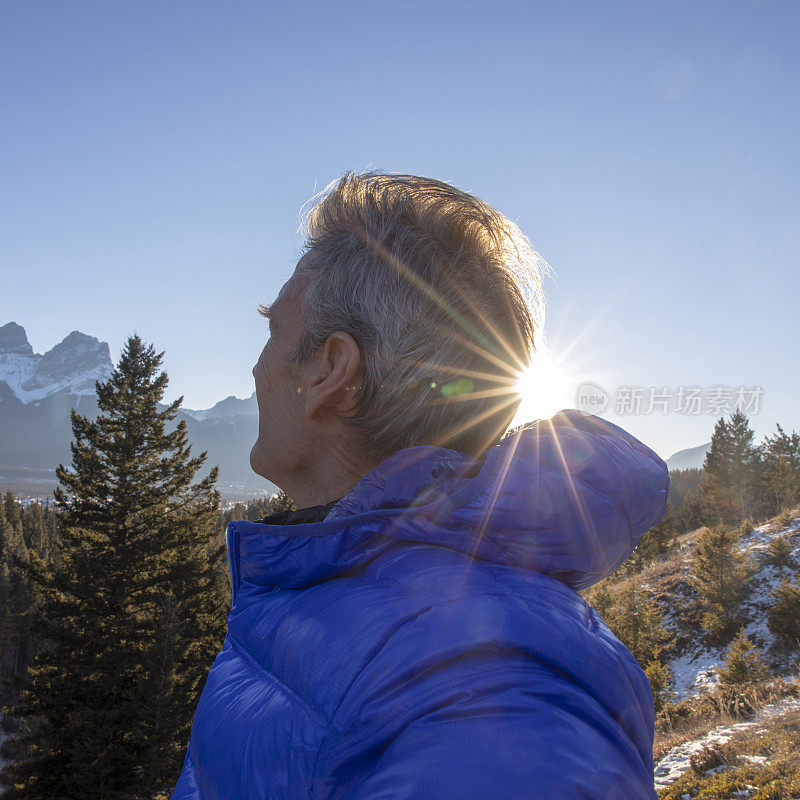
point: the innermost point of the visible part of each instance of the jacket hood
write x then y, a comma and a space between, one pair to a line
567, 497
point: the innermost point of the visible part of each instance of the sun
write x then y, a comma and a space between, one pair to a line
546, 388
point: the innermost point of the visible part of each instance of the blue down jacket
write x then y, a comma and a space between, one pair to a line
426, 639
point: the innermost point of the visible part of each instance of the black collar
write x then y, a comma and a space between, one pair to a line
301, 515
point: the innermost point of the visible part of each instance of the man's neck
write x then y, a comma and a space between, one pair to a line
333, 473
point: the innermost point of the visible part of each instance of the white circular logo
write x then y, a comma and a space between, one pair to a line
591, 398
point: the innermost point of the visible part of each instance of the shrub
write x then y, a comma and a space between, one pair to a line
601, 599
779, 552
657, 541
719, 575
745, 528
706, 759
783, 616
637, 620
661, 683
743, 664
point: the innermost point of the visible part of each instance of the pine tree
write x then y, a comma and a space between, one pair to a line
691, 514
743, 663
15, 556
719, 575
132, 618
783, 616
657, 541
681, 483
33, 531
718, 458
780, 552
13, 511
779, 473
637, 620
731, 466
601, 599
17, 595
661, 682
5, 559
743, 456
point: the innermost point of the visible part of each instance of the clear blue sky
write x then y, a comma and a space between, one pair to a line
155, 156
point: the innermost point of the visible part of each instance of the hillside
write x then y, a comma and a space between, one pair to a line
714, 740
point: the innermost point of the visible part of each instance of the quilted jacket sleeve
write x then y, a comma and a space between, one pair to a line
186, 788
478, 727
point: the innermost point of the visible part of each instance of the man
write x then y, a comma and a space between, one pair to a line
414, 630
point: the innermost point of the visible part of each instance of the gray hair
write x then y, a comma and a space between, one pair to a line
443, 295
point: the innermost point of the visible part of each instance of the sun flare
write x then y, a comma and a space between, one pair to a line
546, 388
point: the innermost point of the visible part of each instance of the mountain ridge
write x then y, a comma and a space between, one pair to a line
689, 458
38, 391
73, 365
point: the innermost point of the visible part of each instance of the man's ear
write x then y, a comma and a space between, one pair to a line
335, 376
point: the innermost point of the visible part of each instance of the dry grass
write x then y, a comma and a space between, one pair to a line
667, 581
776, 741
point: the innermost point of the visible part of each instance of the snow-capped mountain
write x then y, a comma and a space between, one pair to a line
71, 367
691, 458
37, 393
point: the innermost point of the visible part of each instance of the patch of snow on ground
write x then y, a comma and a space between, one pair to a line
767, 578
758, 540
678, 760
696, 672
777, 709
759, 600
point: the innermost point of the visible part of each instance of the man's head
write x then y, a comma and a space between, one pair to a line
407, 321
